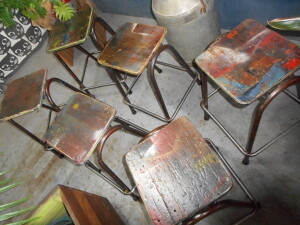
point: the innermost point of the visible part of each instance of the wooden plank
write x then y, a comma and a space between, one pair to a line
89, 209
67, 55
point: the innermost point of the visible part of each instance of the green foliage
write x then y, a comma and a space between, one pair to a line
6, 185
32, 9
29, 8
63, 10
292, 23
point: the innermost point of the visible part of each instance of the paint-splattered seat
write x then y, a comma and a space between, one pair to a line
73, 33
80, 125
23, 95
250, 63
181, 177
136, 47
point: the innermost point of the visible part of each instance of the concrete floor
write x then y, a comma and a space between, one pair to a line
272, 177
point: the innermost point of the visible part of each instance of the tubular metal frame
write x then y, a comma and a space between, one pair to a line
264, 101
154, 86
93, 36
218, 205
124, 125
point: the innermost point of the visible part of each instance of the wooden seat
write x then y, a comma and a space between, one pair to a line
250, 63
178, 175
135, 47
79, 127
73, 33
23, 95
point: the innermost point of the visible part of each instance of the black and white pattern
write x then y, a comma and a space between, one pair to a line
17, 43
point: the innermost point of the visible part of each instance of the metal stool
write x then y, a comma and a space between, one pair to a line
23, 96
250, 63
135, 47
78, 127
181, 177
83, 125
73, 33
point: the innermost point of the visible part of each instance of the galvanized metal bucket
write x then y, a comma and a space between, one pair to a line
191, 24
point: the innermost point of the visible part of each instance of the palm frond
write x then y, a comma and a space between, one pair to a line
291, 23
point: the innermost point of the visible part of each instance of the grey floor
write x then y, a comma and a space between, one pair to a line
272, 177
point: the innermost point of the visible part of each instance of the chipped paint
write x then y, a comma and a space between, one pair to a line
177, 173
250, 61
65, 34
76, 133
132, 47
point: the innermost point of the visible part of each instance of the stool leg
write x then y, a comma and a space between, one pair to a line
259, 111
151, 77
103, 165
257, 114
298, 89
204, 101
156, 91
113, 74
72, 74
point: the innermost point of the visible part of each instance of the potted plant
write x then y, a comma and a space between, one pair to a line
34, 9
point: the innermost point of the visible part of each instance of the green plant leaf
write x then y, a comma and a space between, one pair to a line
291, 23
24, 221
16, 213
63, 11
12, 204
4, 172
6, 181
7, 187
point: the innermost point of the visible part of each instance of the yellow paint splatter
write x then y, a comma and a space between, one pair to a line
208, 159
76, 106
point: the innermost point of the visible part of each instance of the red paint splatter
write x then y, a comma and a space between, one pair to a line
216, 72
133, 59
292, 64
232, 34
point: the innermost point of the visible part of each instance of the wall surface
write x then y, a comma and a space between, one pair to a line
231, 12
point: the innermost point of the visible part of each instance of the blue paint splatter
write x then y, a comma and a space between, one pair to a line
272, 77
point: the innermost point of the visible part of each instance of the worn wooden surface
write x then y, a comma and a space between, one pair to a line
132, 47
71, 32
85, 208
23, 95
176, 172
249, 61
79, 126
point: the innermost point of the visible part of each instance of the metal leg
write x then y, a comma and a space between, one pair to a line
72, 74
156, 91
154, 85
103, 165
204, 100
33, 136
131, 127
260, 108
298, 90
113, 75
